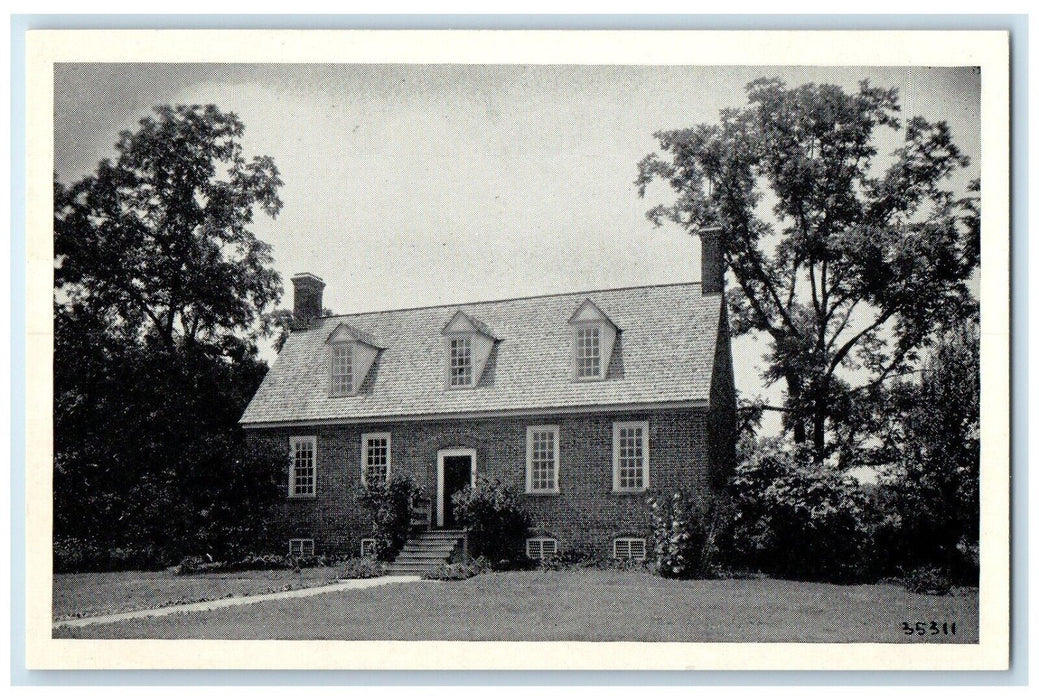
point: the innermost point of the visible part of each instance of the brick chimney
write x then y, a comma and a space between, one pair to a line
307, 298
712, 261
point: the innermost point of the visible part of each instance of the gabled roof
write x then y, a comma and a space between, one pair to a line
344, 332
665, 354
588, 312
461, 322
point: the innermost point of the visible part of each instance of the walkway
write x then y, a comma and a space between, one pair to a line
347, 585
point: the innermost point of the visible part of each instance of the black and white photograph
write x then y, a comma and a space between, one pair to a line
466, 351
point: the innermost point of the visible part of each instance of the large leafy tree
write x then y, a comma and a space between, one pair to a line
930, 448
846, 263
161, 290
159, 240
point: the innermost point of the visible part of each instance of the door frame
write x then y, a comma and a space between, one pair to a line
452, 452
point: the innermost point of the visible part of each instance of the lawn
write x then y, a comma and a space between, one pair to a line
578, 605
77, 595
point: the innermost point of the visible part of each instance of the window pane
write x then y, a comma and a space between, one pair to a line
342, 369
461, 370
377, 460
543, 460
303, 468
588, 352
630, 457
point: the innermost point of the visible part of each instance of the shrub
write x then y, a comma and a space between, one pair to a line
73, 554
683, 534
361, 567
798, 520
567, 559
929, 580
496, 521
391, 504
459, 571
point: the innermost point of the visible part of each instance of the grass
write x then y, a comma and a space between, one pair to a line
79, 595
578, 605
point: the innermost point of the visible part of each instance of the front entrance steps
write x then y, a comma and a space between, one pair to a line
426, 551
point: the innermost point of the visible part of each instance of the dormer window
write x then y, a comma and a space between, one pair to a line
588, 352
468, 345
351, 354
342, 368
594, 337
461, 361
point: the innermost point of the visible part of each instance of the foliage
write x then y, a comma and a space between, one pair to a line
931, 448
390, 504
361, 567
928, 580
459, 571
159, 287
795, 519
159, 239
496, 521
683, 535
278, 323
856, 262
74, 554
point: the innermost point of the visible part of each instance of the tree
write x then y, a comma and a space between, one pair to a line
932, 446
159, 240
846, 270
160, 294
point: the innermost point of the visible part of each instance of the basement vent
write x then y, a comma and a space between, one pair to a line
541, 547
301, 548
629, 548
368, 547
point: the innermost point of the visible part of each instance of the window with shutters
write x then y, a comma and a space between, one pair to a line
629, 548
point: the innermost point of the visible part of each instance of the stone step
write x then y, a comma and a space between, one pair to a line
431, 544
421, 556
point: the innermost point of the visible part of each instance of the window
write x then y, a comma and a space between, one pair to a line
303, 470
461, 359
541, 547
301, 548
368, 547
543, 459
629, 548
342, 368
375, 458
588, 352
630, 456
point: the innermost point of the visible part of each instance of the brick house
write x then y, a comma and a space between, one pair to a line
584, 403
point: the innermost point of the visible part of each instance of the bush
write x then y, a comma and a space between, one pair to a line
795, 519
683, 534
72, 555
458, 572
496, 521
567, 559
361, 567
929, 580
391, 504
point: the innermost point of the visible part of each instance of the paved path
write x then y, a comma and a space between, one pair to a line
350, 584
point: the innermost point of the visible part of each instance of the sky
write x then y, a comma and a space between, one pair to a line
415, 185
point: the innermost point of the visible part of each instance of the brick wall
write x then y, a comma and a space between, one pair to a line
585, 515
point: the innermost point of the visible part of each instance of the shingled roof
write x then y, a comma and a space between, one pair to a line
664, 354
